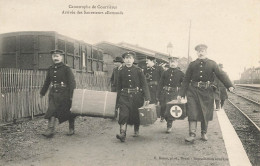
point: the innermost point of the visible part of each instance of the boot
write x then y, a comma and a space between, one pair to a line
169, 127
204, 137
136, 131
50, 130
192, 130
162, 119
204, 128
217, 103
122, 134
71, 127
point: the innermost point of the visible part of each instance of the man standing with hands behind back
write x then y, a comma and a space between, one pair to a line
197, 86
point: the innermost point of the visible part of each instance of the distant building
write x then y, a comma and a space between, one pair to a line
250, 76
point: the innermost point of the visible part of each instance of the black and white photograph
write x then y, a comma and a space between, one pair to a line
129, 83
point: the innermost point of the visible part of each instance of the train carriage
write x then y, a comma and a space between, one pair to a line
31, 50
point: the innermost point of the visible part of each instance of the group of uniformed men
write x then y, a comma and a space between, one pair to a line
136, 88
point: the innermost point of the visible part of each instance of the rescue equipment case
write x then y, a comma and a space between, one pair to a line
177, 109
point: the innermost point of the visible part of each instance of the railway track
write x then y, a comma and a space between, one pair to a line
248, 107
251, 89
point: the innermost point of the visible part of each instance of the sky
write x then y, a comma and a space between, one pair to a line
230, 28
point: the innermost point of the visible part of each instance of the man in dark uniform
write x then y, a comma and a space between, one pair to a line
168, 87
216, 93
132, 91
152, 74
222, 92
197, 87
118, 61
62, 82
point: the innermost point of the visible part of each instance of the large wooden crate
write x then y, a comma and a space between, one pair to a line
147, 114
177, 109
94, 103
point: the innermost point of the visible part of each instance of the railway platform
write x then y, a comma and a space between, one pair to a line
153, 147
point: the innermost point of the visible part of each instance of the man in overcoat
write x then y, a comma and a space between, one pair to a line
61, 81
197, 87
133, 93
153, 75
118, 61
169, 84
222, 91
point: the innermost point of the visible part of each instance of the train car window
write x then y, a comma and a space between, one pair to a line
77, 63
26, 43
26, 61
100, 66
94, 65
8, 60
83, 60
100, 55
46, 43
89, 52
9, 44
70, 60
70, 47
61, 44
45, 60
89, 65
95, 54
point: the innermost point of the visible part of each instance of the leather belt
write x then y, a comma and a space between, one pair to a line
168, 88
153, 83
202, 85
58, 85
131, 90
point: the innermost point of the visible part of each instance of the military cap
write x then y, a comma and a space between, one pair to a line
57, 52
220, 65
201, 47
128, 53
150, 58
173, 58
118, 59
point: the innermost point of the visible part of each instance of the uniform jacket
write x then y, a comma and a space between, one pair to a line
131, 78
172, 77
222, 91
153, 73
61, 81
153, 76
114, 78
203, 70
200, 101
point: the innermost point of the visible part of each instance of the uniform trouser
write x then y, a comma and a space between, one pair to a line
152, 90
217, 102
169, 123
128, 105
222, 103
163, 109
165, 97
193, 127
